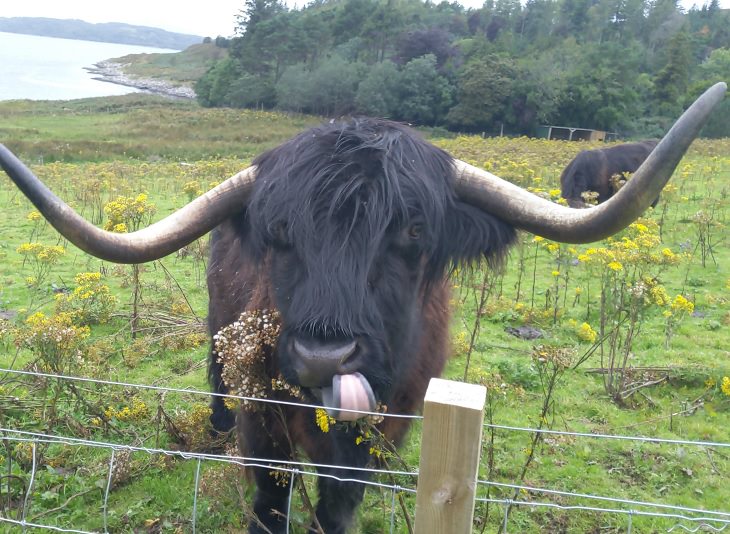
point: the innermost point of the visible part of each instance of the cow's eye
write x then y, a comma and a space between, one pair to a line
415, 230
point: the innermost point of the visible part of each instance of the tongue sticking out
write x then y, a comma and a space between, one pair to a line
348, 392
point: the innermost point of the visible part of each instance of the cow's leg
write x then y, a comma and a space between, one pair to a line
270, 503
261, 436
338, 500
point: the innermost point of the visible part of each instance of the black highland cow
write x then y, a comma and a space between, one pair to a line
600, 170
349, 231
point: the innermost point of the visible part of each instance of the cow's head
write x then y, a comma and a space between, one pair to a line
357, 221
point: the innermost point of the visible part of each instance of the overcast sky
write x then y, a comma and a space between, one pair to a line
212, 18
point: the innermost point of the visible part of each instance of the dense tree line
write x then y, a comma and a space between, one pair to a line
620, 65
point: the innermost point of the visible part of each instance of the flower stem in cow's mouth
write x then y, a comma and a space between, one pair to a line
242, 348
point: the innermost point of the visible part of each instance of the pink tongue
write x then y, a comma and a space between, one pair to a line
352, 392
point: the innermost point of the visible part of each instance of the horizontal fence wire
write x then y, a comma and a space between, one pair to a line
285, 466
198, 392
706, 521
712, 520
609, 436
244, 461
722, 516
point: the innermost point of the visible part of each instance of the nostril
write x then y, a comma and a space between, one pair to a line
325, 351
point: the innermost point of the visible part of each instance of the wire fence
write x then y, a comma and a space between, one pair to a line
684, 518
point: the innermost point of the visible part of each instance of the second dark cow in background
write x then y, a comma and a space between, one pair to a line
601, 170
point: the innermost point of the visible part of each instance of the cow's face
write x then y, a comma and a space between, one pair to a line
353, 240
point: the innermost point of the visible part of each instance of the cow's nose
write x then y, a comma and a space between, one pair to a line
317, 361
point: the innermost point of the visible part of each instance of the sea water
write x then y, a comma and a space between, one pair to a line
46, 68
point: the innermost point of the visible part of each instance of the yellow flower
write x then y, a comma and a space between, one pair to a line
615, 266
586, 333
33, 216
725, 387
556, 273
323, 420
537, 239
681, 304
659, 295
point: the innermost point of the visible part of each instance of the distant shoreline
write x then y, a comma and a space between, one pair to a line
113, 72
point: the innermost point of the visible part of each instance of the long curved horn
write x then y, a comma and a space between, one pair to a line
544, 218
151, 243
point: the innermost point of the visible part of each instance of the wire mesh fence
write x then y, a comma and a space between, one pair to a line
16, 514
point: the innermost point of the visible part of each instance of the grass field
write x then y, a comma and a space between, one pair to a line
633, 336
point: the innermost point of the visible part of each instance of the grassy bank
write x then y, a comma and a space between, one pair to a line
580, 375
139, 127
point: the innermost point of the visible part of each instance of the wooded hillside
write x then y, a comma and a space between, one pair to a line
621, 65
105, 32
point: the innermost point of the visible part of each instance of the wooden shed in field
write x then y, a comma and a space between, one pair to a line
569, 133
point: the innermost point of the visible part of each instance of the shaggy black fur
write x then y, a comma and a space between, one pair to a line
349, 234
591, 170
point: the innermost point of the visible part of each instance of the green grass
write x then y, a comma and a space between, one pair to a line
95, 150
141, 127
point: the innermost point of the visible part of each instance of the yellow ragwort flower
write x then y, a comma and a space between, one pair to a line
586, 333
725, 387
323, 420
615, 266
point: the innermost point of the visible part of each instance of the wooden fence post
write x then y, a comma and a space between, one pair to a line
453, 416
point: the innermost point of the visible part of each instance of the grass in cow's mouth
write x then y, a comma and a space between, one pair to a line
678, 364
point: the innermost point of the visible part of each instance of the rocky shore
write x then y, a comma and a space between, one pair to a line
109, 71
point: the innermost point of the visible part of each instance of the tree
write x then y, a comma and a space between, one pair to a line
573, 18
671, 81
249, 91
212, 88
600, 86
329, 89
348, 20
255, 12
380, 28
424, 95
715, 68
417, 43
483, 94
377, 94
294, 91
